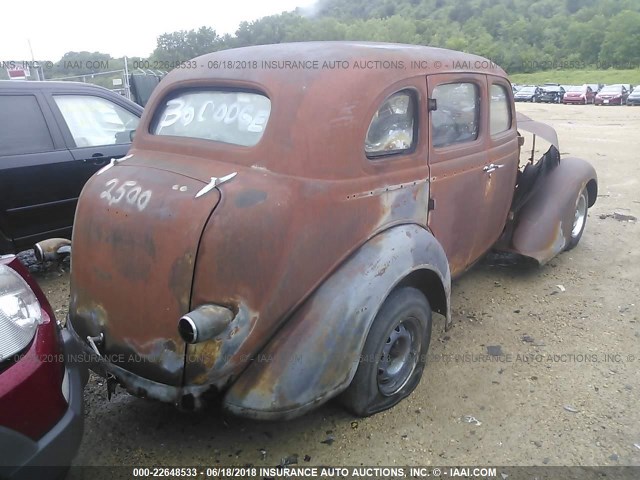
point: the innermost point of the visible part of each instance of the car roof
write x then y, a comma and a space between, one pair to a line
30, 86
47, 85
321, 110
432, 60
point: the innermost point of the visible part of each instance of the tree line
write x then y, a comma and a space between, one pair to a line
519, 35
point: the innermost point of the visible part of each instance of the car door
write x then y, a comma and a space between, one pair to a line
457, 157
96, 128
501, 169
34, 162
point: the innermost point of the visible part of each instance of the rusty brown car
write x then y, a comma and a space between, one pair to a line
289, 216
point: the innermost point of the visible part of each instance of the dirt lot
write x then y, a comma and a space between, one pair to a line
562, 389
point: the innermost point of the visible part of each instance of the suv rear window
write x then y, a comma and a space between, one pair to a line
238, 118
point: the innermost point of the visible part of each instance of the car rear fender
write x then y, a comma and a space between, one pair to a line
315, 355
542, 227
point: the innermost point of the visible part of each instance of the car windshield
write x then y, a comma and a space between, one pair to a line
238, 118
611, 89
527, 90
551, 89
575, 89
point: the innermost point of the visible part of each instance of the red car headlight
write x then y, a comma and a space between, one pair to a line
20, 313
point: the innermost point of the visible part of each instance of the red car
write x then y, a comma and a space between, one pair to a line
579, 94
41, 401
612, 95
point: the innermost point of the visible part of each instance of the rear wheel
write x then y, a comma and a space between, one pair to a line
579, 219
394, 354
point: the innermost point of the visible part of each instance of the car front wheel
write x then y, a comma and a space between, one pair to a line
394, 354
579, 219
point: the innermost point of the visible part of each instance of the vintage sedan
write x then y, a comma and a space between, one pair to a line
281, 232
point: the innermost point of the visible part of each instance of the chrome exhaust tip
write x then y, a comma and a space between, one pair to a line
52, 249
204, 323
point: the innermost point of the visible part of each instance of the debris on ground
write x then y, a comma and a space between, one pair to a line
621, 217
494, 350
329, 440
471, 419
570, 408
290, 460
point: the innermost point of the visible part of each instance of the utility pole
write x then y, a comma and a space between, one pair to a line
127, 87
33, 62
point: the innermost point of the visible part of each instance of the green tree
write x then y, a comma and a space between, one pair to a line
185, 45
622, 40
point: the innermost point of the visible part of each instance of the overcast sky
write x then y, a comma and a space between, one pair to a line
117, 27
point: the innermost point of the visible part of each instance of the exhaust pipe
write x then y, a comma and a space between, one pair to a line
52, 249
204, 323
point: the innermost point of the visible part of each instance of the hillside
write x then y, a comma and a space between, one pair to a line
520, 35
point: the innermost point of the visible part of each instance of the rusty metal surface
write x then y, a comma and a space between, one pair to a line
543, 227
282, 254
471, 206
132, 268
316, 354
305, 200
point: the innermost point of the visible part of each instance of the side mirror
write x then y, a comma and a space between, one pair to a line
132, 134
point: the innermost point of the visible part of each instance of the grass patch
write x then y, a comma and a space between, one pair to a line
578, 77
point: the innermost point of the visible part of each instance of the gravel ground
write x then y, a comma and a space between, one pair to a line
561, 387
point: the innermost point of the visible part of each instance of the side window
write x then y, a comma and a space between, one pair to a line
455, 119
24, 129
391, 130
500, 110
95, 121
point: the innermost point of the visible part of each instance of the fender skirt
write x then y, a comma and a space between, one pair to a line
315, 355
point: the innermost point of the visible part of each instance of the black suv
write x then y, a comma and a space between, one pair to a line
53, 137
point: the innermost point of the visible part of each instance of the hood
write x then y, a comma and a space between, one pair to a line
537, 128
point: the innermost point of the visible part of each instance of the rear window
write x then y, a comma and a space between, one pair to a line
238, 118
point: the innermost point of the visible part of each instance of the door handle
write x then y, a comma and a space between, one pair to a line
97, 159
491, 167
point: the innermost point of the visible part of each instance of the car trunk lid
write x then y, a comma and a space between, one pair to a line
137, 231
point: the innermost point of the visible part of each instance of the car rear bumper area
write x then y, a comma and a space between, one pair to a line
49, 457
188, 397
